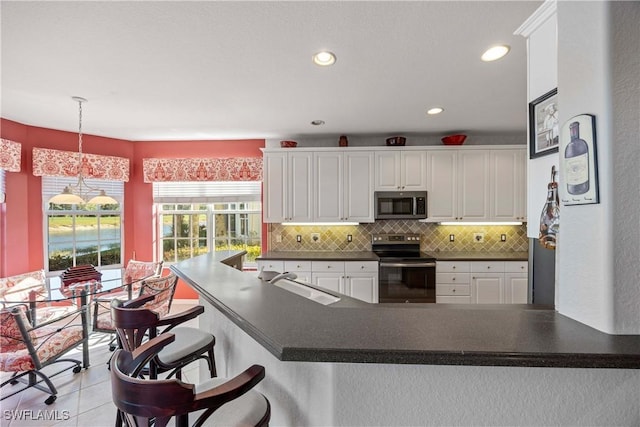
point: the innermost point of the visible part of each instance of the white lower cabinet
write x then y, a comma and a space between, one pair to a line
357, 279
361, 280
453, 282
302, 269
482, 282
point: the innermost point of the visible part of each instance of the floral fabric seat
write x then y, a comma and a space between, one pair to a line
31, 288
134, 274
25, 349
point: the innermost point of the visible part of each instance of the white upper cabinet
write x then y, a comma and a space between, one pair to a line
476, 185
473, 185
442, 186
344, 190
401, 170
481, 183
288, 187
508, 185
329, 186
358, 186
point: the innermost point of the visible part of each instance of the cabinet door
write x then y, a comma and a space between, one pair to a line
329, 186
508, 190
270, 265
300, 183
274, 198
473, 185
413, 170
442, 186
387, 175
487, 288
516, 288
358, 187
362, 286
330, 281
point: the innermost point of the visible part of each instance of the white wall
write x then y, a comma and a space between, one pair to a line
599, 251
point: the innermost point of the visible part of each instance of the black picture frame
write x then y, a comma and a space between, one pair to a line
580, 172
544, 128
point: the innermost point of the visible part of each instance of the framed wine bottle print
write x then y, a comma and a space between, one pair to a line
579, 161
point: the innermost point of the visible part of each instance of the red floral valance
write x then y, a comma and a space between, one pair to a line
10, 155
233, 169
47, 162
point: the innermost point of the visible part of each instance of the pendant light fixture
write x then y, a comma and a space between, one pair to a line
81, 192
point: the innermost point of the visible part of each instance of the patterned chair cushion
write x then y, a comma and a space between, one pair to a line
49, 341
17, 288
10, 336
138, 270
163, 289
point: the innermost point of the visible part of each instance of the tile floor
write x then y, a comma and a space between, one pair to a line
84, 399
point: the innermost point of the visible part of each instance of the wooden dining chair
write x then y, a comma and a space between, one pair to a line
136, 321
219, 401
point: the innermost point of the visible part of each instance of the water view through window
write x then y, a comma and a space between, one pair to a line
83, 235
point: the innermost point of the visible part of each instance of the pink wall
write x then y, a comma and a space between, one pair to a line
21, 238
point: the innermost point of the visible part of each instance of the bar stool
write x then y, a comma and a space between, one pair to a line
217, 401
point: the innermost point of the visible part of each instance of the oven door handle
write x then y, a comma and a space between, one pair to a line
408, 264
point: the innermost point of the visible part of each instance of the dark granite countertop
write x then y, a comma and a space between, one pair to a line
370, 256
319, 256
293, 328
481, 256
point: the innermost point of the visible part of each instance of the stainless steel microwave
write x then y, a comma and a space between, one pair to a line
401, 204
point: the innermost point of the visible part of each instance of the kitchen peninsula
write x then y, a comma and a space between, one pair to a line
353, 363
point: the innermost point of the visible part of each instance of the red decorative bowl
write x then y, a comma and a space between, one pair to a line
454, 139
288, 144
396, 140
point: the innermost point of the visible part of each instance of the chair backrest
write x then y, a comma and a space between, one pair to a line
80, 273
141, 400
133, 325
163, 289
11, 337
136, 271
18, 288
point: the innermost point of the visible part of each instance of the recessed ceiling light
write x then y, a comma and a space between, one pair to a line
324, 58
495, 52
317, 122
435, 110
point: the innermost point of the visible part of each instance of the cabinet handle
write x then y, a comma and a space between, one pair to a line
454, 267
453, 290
453, 279
488, 267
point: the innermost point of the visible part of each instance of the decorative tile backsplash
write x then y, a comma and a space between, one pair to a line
435, 238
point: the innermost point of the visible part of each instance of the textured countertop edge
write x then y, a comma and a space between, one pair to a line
498, 359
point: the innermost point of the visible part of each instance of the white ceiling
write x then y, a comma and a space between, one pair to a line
227, 70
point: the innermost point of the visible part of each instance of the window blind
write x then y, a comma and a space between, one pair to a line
206, 191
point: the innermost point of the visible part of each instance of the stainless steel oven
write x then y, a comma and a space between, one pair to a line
405, 274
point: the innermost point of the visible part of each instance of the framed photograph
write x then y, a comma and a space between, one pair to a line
579, 161
544, 128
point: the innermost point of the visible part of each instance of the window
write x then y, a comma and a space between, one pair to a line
198, 217
82, 234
